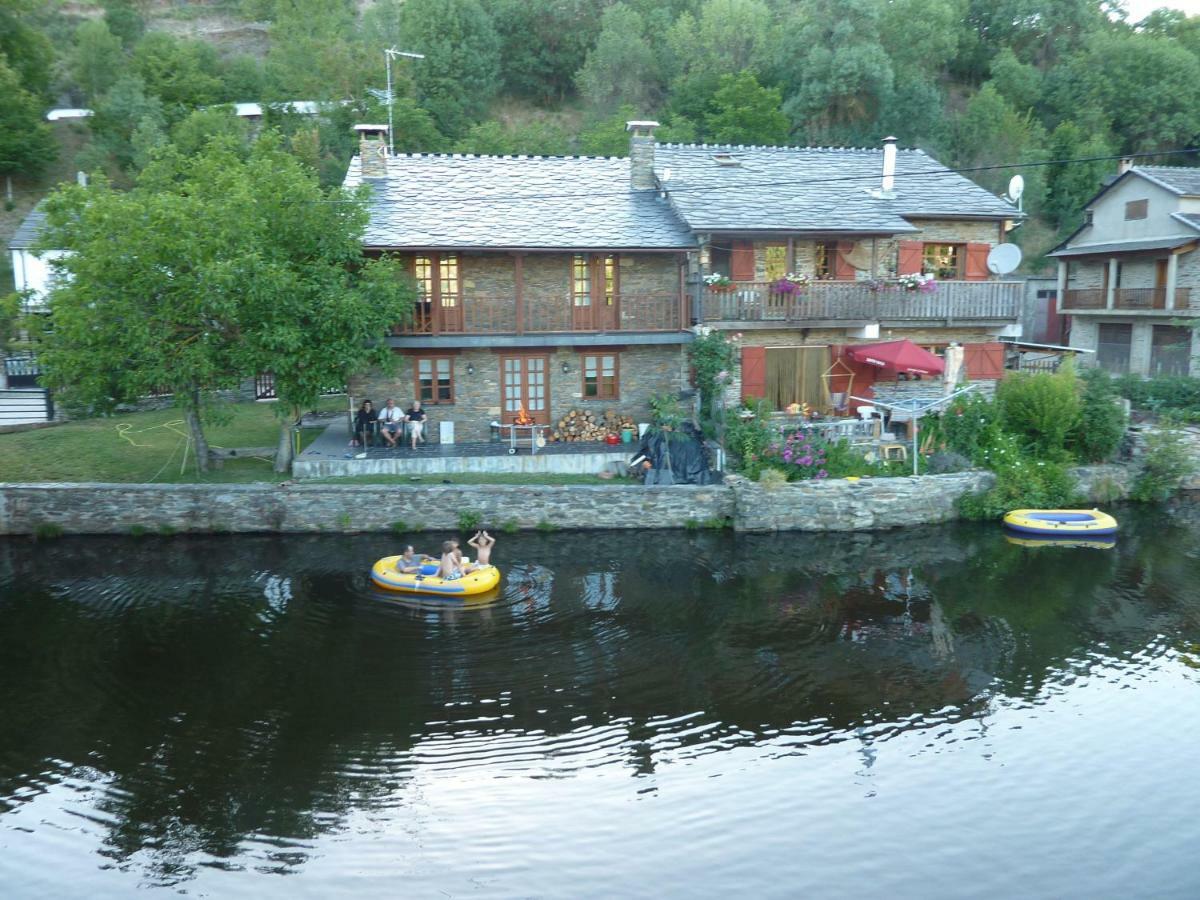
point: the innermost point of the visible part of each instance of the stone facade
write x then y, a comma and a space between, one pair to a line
833, 505
643, 371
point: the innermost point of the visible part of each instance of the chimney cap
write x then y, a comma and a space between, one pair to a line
890, 139
640, 125
370, 128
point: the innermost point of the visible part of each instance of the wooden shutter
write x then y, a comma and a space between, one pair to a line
976, 268
741, 261
908, 259
754, 372
984, 361
842, 270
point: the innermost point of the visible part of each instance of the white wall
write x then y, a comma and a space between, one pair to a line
1108, 214
34, 274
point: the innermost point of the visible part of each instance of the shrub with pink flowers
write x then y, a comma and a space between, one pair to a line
801, 456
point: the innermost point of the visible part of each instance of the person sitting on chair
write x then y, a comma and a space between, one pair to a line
416, 423
391, 420
364, 424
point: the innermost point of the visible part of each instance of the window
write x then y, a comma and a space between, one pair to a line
439, 289
588, 271
825, 256
581, 281
776, 259
600, 377
435, 379
942, 260
720, 260
1136, 209
1112, 351
1170, 350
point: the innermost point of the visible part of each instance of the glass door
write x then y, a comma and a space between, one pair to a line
525, 384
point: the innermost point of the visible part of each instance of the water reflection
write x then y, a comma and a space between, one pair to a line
226, 702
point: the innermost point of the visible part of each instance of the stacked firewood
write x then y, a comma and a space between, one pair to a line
586, 425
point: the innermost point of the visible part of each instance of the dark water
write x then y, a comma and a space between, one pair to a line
925, 713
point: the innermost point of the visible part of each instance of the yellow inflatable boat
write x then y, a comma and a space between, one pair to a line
1061, 522
384, 574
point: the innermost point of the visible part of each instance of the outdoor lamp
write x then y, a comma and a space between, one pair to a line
470, 368
566, 368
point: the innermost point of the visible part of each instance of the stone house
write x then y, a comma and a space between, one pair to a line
849, 221
545, 284
556, 282
1131, 272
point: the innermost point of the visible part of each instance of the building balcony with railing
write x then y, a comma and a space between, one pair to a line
749, 304
1153, 300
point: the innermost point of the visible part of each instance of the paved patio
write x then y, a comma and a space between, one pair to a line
331, 455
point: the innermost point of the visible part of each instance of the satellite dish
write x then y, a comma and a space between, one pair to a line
1003, 258
858, 256
1016, 187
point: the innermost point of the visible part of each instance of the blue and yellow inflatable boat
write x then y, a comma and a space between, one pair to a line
1061, 522
384, 575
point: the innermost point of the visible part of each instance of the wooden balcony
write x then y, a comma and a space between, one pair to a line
504, 315
1126, 299
851, 301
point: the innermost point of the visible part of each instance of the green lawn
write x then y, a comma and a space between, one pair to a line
144, 447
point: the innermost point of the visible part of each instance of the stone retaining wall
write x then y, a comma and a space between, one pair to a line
834, 505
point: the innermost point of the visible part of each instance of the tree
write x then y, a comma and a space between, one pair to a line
201, 126
183, 74
28, 51
1019, 83
124, 20
537, 138
726, 37
26, 144
622, 68
745, 112
460, 73
121, 112
96, 59
1070, 185
214, 267
542, 43
609, 137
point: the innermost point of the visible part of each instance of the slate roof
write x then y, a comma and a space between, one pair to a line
508, 202
1180, 179
1163, 243
1192, 219
30, 229
815, 189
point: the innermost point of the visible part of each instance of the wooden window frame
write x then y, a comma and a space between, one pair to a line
437, 287
601, 394
1137, 209
960, 259
433, 359
825, 260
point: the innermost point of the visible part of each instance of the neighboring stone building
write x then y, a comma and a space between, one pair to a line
1132, 271
850, 221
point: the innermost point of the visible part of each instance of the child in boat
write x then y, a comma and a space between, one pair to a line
450, 568
483, 544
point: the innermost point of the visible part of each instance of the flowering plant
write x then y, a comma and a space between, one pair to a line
917, 281
718, 282
791, 283
801, 457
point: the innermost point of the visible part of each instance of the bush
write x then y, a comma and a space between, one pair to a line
713, 358
44, 531
968, 427
1102, 421
1041, 409
1167, 462
1170, 393
1021, 483
468, 520
747, 437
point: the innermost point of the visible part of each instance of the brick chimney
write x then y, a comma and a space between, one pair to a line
373, 150
888, 183
641, 154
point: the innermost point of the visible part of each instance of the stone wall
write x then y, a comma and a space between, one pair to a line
643, 370
833, 505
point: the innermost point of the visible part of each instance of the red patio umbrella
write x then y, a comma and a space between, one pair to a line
897, 356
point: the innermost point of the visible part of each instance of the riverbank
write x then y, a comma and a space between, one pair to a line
49, 509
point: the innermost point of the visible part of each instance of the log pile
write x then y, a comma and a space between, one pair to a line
586, 425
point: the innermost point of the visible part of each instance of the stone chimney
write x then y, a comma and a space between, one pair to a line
1124, 166
888, 184
373, 150
641, 154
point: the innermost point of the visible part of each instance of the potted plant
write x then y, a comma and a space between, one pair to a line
721, 284
791, 283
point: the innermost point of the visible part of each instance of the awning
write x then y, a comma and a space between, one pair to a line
897, 356
1168, 243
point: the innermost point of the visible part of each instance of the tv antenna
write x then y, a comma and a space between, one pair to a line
389, 96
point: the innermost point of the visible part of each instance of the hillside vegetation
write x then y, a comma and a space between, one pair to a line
976, 82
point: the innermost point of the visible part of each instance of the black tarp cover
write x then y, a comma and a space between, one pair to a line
676, 457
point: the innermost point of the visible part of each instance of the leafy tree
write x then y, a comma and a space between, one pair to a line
183, 74
191, 134
244, 79
622, 68
26, 143
543, 43
120, 112
539, 138
27, 51
125, 20
96, 59
921, 36
745, 112
726, 37
609, 137
316, 53
1017, 82
990, 132
211, 268
460, 73
1070, 185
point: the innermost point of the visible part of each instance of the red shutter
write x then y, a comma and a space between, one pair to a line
842, 270
908, 259
754, 372
984, 361
977, 255
741, 261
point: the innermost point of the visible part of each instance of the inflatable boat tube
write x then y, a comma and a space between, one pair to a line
1090, 542
384, 574
1061, 522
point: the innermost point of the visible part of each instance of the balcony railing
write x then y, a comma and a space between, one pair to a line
1125, 299
547, 315
859, 301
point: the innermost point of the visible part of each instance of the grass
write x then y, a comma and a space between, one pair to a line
144, 447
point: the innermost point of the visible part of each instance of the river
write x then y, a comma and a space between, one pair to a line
927, 713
